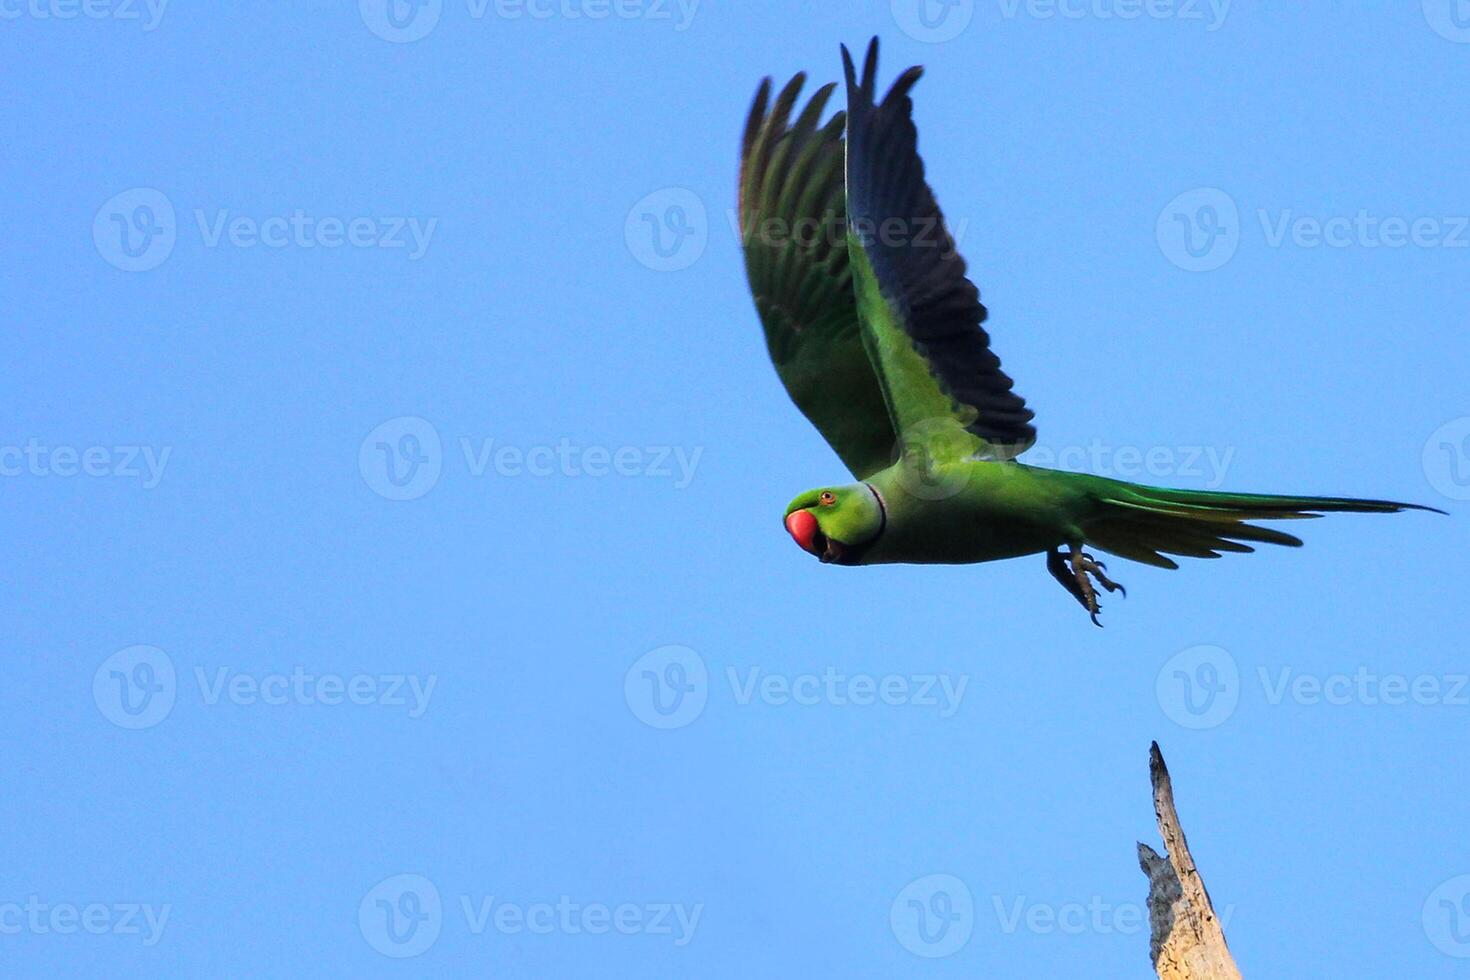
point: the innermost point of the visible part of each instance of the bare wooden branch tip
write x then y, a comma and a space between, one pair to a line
1186, 939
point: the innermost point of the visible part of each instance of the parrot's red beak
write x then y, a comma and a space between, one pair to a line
802, 527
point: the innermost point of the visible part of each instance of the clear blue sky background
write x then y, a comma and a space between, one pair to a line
268, 544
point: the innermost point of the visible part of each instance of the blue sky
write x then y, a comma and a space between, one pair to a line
395, 583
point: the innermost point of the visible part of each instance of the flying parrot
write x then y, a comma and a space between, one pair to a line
877, 335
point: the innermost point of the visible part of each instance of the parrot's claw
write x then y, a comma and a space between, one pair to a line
1098, 571
1076, 572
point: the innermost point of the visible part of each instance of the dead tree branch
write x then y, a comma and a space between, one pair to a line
1187, 941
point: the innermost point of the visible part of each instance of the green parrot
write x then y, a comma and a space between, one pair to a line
875, 331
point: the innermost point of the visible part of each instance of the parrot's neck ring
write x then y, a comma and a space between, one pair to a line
882, 510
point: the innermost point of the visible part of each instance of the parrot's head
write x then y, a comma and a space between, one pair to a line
833, 523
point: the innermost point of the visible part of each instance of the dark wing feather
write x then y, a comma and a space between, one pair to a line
792, 226
893, 213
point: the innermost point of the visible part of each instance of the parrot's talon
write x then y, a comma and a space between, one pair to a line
1077, 572
1096, 569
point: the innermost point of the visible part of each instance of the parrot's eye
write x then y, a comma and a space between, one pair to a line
828, 498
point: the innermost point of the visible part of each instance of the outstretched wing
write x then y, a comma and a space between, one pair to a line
920, 315
793, 229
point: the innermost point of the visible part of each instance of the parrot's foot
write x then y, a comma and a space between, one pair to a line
1076, 571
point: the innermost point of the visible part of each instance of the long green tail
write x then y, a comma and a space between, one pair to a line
1148, 523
